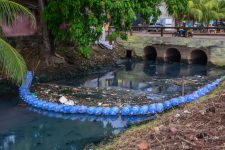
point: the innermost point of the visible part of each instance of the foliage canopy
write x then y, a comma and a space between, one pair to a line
81, 21
206, 10
177, 8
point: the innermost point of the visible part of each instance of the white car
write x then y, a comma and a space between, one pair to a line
155, 27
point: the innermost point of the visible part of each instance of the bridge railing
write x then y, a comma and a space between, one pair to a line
170, 30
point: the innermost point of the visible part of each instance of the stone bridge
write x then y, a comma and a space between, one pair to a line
176, 49
173, 53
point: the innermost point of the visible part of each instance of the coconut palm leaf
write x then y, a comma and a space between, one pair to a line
12, 63
221, 9
206, 10
10, 10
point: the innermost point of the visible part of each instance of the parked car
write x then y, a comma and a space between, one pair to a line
199, 27
196, 25
219, 24
155, 27
167, 22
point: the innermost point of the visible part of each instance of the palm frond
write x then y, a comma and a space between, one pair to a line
10, 10
210, 4
206, 10
190, 4
12, 63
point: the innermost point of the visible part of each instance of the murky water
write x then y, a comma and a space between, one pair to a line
147, 81
24, 128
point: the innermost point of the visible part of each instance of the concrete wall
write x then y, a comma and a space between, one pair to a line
32, 43
213, 48
21, 27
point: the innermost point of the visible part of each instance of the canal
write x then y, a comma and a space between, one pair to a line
26, 128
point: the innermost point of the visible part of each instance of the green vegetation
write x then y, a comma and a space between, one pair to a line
205, 10
177, 8
196, 10
11, 62
80, 22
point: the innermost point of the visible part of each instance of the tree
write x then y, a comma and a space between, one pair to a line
81, 21
221, 9
177, 8
205, 10
11, 62
48, 46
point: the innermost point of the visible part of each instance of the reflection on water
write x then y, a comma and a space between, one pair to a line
24, 128
159, 81
167, 70
136, 75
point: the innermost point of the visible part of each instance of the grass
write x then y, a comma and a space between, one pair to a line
159, 119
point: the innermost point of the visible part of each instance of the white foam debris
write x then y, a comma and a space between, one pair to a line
70, 103
63, 100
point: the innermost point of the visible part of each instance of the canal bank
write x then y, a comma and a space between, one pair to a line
199, 125
66, 62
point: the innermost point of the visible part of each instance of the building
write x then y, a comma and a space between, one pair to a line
22, 25
165, 19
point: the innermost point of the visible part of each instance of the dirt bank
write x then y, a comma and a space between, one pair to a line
199, 125
73, 64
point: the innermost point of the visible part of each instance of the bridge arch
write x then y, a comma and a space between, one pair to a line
150, 53
198, 57
172, 55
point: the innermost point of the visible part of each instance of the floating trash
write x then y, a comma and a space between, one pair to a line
126, 110
63, 100
70, 103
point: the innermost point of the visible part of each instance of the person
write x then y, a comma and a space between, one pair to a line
189, 31
103, 36
211, 29
106, 27
182, 30
184, 24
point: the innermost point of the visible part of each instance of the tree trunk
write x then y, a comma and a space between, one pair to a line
131, 31
47, 48
176, 22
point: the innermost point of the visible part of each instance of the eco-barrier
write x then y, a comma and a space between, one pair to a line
86, 117
126, 110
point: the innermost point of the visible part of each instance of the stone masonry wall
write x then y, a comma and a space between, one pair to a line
214, 48
25, 42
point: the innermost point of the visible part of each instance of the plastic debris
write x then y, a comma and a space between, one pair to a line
63, 99
70, 103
